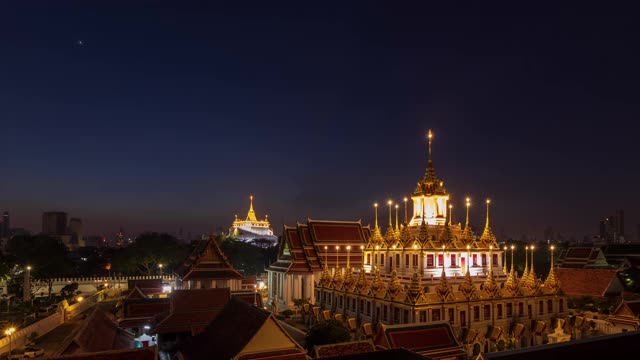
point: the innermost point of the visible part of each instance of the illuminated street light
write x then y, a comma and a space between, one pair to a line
9, 332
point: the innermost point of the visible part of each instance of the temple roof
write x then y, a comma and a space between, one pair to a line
396, 354
343, 348
99, 332
591, 282
431, 340
207, 262
305, 245
598, 347
192, 310
148, 353
260, 336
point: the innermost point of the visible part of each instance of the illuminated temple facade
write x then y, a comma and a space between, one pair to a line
251, 228
425, 269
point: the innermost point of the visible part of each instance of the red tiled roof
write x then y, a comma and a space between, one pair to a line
598, 347
578, 253
337, 233
192, 309
218, 337
145, 307
207, 262
433, 340
344, 348
146, 284
149, 353
288, 354
99, 333
581, 282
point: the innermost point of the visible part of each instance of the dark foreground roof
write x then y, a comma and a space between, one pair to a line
228, 334
600, 347
395, 354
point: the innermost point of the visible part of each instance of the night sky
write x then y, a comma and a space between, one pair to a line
157, 117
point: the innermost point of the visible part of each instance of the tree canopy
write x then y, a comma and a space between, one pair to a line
149, 250
327, 332
47, 256
249, 257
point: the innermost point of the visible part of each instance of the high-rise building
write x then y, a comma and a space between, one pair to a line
612, 228
5, 225
75, 230
54, 223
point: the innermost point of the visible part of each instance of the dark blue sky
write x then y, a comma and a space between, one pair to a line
169, 117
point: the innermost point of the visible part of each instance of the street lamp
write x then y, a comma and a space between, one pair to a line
160, 267
9, 332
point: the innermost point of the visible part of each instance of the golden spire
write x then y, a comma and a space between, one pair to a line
423, 234
490, 284
552, 282
376, 212
513, 248
450, 214
348, 255
430, 137
532, 273
487, 238
390, 234
525, 273
504, 260
405, 210
394, 283
397, 224
251, 215
325, 279
467, 234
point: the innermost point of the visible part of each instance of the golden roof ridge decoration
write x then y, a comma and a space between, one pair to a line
348, 278
532, 282
415, 286
376, 283
361, 281
337, 278
467, 288
490, 284
511, 285
394, 283
406, 237
325, 278
444, 289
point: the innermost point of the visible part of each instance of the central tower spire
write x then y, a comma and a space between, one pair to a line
251, 215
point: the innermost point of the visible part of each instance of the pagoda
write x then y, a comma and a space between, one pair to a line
251, 228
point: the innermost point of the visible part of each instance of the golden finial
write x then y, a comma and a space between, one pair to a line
250, 202
348, 253
337, 253
532, 273
390, 223
526, 263
450, 214
491, 258
405, 210
375, 206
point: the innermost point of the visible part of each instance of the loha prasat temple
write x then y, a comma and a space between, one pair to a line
424, 269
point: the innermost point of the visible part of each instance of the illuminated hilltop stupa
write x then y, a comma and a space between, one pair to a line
251, 228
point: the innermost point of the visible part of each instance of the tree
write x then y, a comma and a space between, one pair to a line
149, 250
47, 256
327, 332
